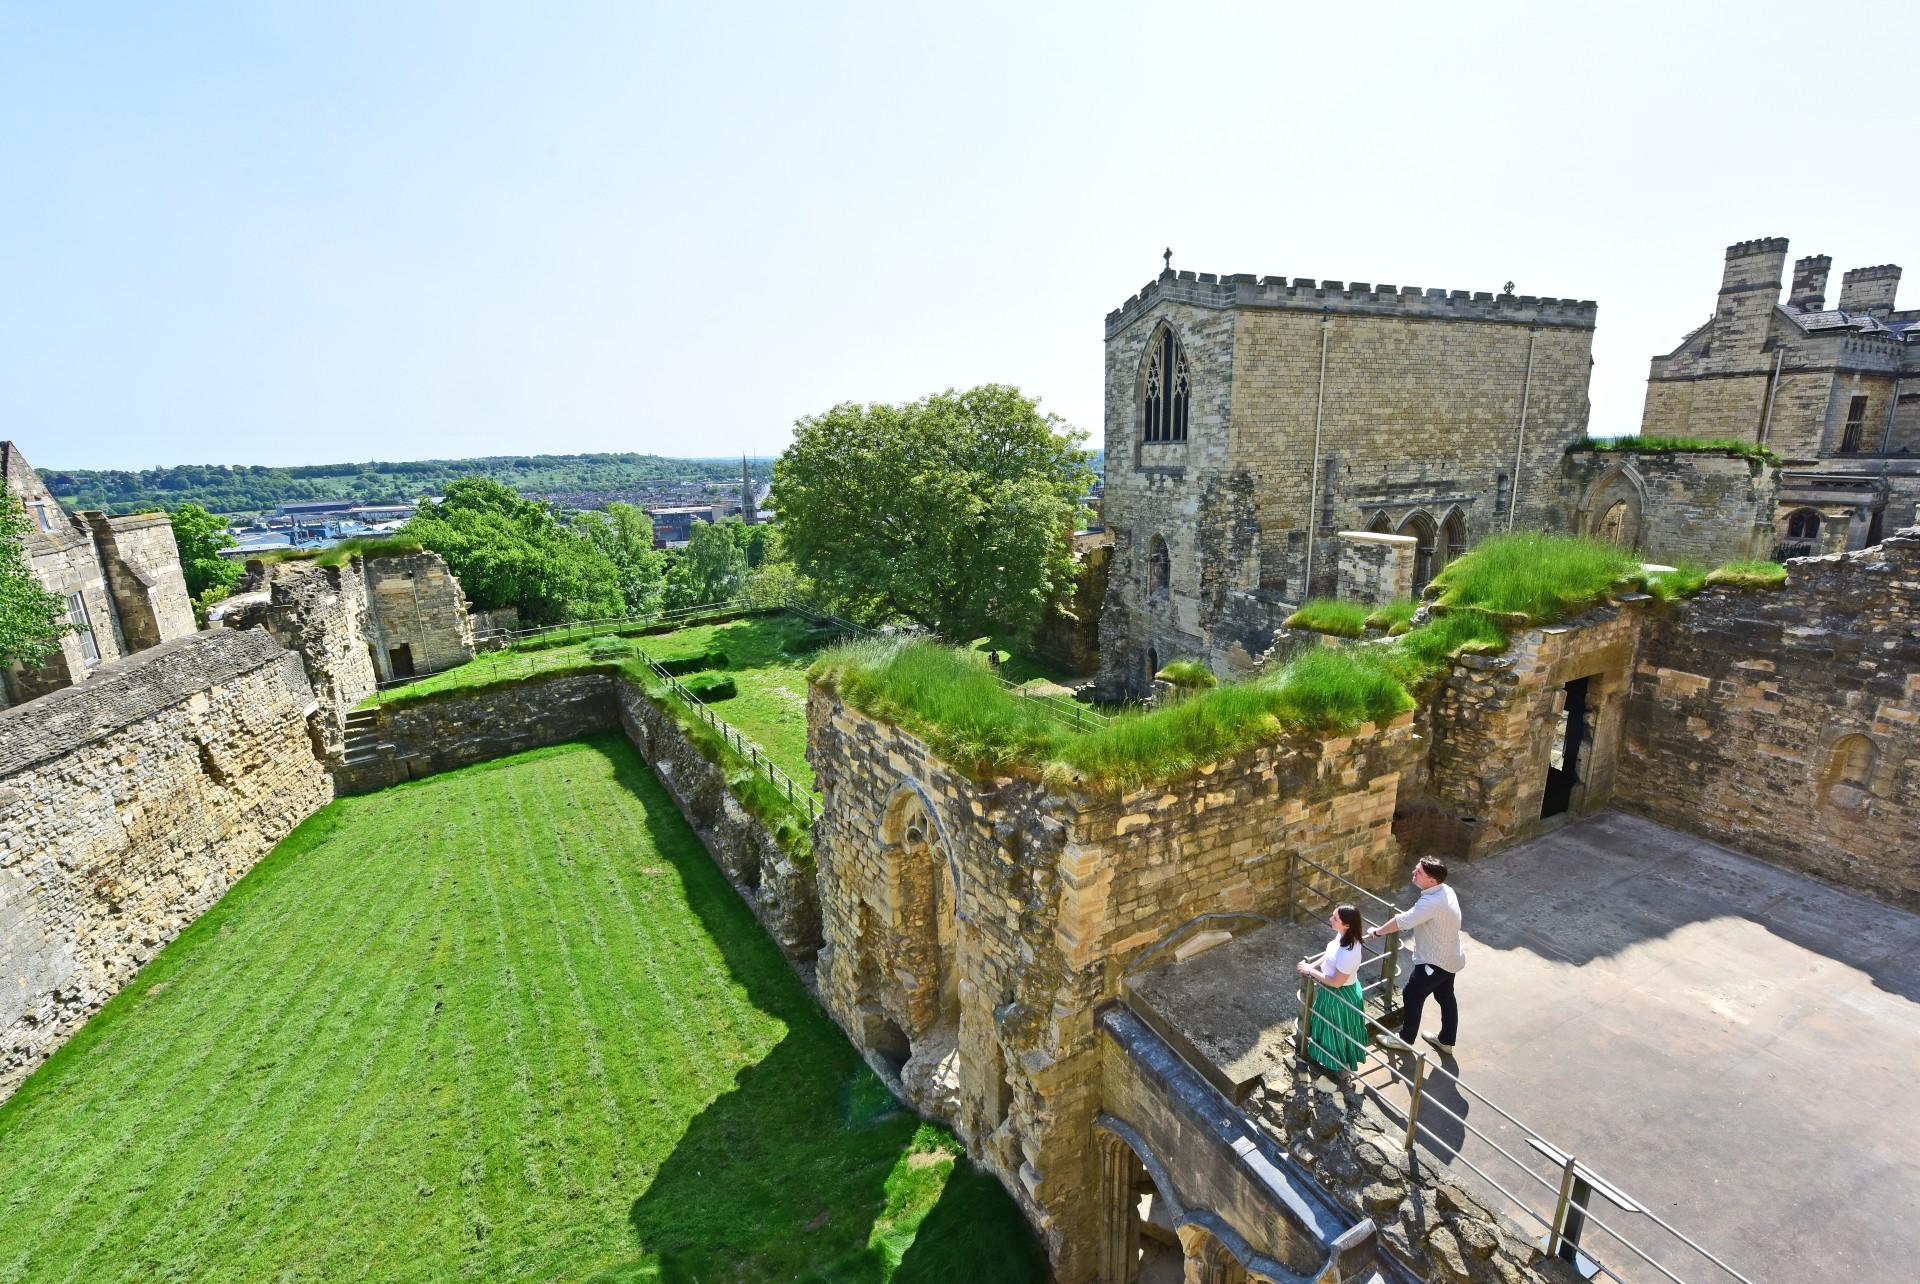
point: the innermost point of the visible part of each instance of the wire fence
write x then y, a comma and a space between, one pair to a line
1568, 1184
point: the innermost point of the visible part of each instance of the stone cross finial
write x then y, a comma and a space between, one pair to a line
1167, 254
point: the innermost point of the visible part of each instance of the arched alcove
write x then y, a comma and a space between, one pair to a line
1159, 566
1419, 524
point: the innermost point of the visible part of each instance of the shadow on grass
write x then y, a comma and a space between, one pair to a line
795, 1172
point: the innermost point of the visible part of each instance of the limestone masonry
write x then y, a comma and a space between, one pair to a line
128, 806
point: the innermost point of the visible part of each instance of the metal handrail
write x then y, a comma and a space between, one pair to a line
1419, 1100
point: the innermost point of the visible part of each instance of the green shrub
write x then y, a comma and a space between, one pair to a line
338, 554
696, 663
710, 688
1681, 445
1757, 575
1188, 675
1330, 615
1393, 619
1535, 577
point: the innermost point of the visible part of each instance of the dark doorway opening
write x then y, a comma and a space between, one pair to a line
1563, 758
400, 660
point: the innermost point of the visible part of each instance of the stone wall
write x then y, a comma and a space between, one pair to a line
1375, 569
1786, 723
420, 616
970, 927
319, 612
1069, 635
1494, 722
128, 805
143, 574
1424, 1217
1676, 505
455, 728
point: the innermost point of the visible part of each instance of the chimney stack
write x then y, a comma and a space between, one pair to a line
1870, 289
1810, 282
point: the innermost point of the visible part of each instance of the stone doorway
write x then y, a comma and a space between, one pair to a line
1139, 1243
1564, 763
400, 660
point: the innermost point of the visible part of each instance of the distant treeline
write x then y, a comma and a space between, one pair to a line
247, 489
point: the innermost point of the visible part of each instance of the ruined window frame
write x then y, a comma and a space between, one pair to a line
1807, 517
1159, 566
1856, 421
83, 628
1165, 412
1848, 776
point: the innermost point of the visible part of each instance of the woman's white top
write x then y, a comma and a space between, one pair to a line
1340, 960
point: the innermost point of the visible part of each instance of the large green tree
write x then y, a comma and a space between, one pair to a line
711, 568
32, 620
955, 511
625, 534
200, 536
509, 551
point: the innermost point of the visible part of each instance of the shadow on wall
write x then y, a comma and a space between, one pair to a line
792, 1169
1597, 888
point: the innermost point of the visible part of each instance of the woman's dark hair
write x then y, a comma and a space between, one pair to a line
1350, 925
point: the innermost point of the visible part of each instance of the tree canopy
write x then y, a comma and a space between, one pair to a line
509, 551
32, 620
956, 510
624, 534
200, 536
712, 567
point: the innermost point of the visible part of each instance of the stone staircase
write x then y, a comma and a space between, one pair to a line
363, 742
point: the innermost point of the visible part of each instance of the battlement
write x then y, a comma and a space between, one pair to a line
1349, 298
1763, 245
1878, 272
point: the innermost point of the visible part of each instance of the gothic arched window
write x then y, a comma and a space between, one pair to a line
1159, 566
1164, 389
1804, 524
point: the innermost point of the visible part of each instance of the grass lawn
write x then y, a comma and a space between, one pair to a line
767, 655
507, 1023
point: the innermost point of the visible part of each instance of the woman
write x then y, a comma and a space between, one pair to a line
1337, 1033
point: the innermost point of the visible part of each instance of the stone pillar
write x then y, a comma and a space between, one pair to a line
1376, 569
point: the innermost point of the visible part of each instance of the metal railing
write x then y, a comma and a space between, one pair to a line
613, 623
1570, 1184
797, 793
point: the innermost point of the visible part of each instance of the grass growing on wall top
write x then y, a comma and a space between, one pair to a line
1330, 615
1540, 577
952, 699
1189, 675
1393, 618
1768, 575
1681, 445
339, 554
506, 1023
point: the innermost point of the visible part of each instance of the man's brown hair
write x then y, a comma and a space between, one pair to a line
1435, 867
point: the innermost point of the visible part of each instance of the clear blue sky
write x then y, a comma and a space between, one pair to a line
260, 233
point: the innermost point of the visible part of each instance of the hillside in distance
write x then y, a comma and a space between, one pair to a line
250, 488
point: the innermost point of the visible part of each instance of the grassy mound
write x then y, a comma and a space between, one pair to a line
1330, 615
1534, 578
1188, 675
1393, 619
1753, 575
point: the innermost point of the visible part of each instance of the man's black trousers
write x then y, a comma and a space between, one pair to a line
1438, 982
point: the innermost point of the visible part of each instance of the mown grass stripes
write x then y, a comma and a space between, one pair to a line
505, 1023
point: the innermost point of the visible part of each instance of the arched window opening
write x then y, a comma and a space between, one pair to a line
1616, 524
1380, 525
1419, 525
1803, 524
1159, 566
1165, 390
1453, 536
1849, 773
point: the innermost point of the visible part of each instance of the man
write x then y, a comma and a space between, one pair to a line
1437, 956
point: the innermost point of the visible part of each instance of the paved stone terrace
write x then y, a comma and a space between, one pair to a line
1733, 1043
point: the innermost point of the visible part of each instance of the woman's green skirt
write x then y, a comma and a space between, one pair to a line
1337, 1035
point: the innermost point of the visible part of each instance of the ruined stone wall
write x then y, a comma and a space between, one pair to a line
1786, 723
1689, 506
970, 928
128, 805
1375, 569
1493, 720
321, 613
1069, 636
458, 727
143, 573
416, 603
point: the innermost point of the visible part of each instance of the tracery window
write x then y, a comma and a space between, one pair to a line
1165, 393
